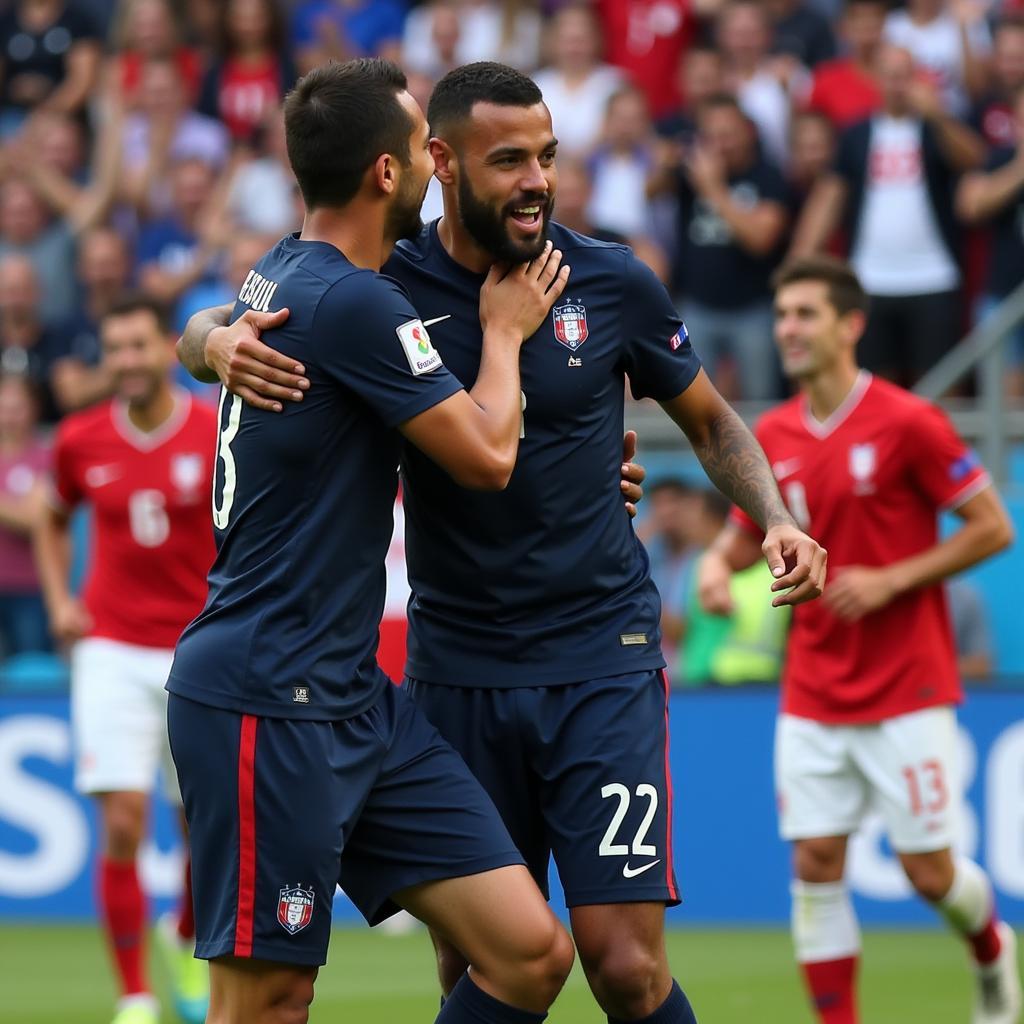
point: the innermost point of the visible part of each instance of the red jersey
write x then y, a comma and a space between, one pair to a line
868, 485
646, 39
151, 495
843, 93
246, 94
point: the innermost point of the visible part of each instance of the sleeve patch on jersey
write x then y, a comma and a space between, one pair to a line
968, 461
418, 348
678, 338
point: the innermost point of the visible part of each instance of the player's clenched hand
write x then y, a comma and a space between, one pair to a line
518, 300
258, 374
69, 621
713, 590
797, 562
633, 474
859, 590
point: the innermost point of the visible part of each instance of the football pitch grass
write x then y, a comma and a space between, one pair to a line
59, 975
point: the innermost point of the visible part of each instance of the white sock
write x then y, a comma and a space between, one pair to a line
823, 923
969, 904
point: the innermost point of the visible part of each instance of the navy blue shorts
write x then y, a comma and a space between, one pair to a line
580, 771
281, 811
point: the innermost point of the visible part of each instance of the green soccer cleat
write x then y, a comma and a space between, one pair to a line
138, 1009
190, 978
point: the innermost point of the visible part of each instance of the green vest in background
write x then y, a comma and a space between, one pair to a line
745, 647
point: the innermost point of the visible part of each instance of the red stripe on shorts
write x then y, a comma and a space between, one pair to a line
246, 836
669, 881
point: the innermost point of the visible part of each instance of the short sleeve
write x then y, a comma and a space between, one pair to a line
65, 490
941, 463
659, 360
371, 340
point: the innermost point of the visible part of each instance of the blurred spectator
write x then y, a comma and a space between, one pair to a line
951, 40
673, 505
324, 30
801, 32
701, 76
28, 347
27, 229
992, 116
201, 19
893, 185
104, 273
51, 51
258, 193
574, 193
765, 86
846, 89
576, 85
470, 30
24, 459
813, 142
253, 69
732, 220
745, 646
620, 165
996, 196
646, 38
971, 633
175, 251
149, 30
164, 130
430, 43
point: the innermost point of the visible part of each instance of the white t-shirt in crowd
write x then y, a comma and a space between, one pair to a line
618, 198
899, 248
577, 113
936, 46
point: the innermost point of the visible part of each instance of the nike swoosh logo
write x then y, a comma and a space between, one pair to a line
628, 872
786, 468
99, 476
437, 320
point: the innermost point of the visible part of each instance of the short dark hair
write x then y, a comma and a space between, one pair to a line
485, 81
138, 302
670, 485
845, 292
337, 120
720, 101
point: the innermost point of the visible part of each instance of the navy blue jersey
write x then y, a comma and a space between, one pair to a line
545, 582
303, 499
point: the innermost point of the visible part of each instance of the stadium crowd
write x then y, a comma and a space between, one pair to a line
141, 145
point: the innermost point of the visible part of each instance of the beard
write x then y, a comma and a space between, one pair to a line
403, 219
487, 227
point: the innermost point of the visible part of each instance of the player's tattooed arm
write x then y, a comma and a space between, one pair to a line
737, 466
212, 348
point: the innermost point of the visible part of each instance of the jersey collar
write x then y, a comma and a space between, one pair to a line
822, 428
146, 441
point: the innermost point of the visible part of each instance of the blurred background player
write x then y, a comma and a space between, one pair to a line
143, 464
870, 679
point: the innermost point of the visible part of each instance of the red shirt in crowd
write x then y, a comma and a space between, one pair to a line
843, 93
150, 495
18, 475
868, 484
247, 93
186, 60
646, 38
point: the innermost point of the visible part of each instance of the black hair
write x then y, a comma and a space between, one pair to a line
338, 120
845, 292
485, 81
135, 302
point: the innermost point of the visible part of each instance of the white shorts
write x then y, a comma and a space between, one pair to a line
828, 777
119, 717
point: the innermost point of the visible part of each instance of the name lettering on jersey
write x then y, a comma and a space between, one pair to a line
632, 639
295, 908
257, 291
418, 347
570, 320
300, 695
863, 462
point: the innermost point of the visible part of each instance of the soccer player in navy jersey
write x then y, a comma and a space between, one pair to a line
300, 765
533, 621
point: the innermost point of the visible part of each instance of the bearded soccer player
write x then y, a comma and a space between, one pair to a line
142, 463
534, 644
870, 679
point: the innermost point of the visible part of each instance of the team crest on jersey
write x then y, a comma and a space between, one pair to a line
863, 462
187, 471
570, 324
294, 908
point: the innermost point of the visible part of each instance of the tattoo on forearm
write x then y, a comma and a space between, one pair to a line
737, 466
192, 349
